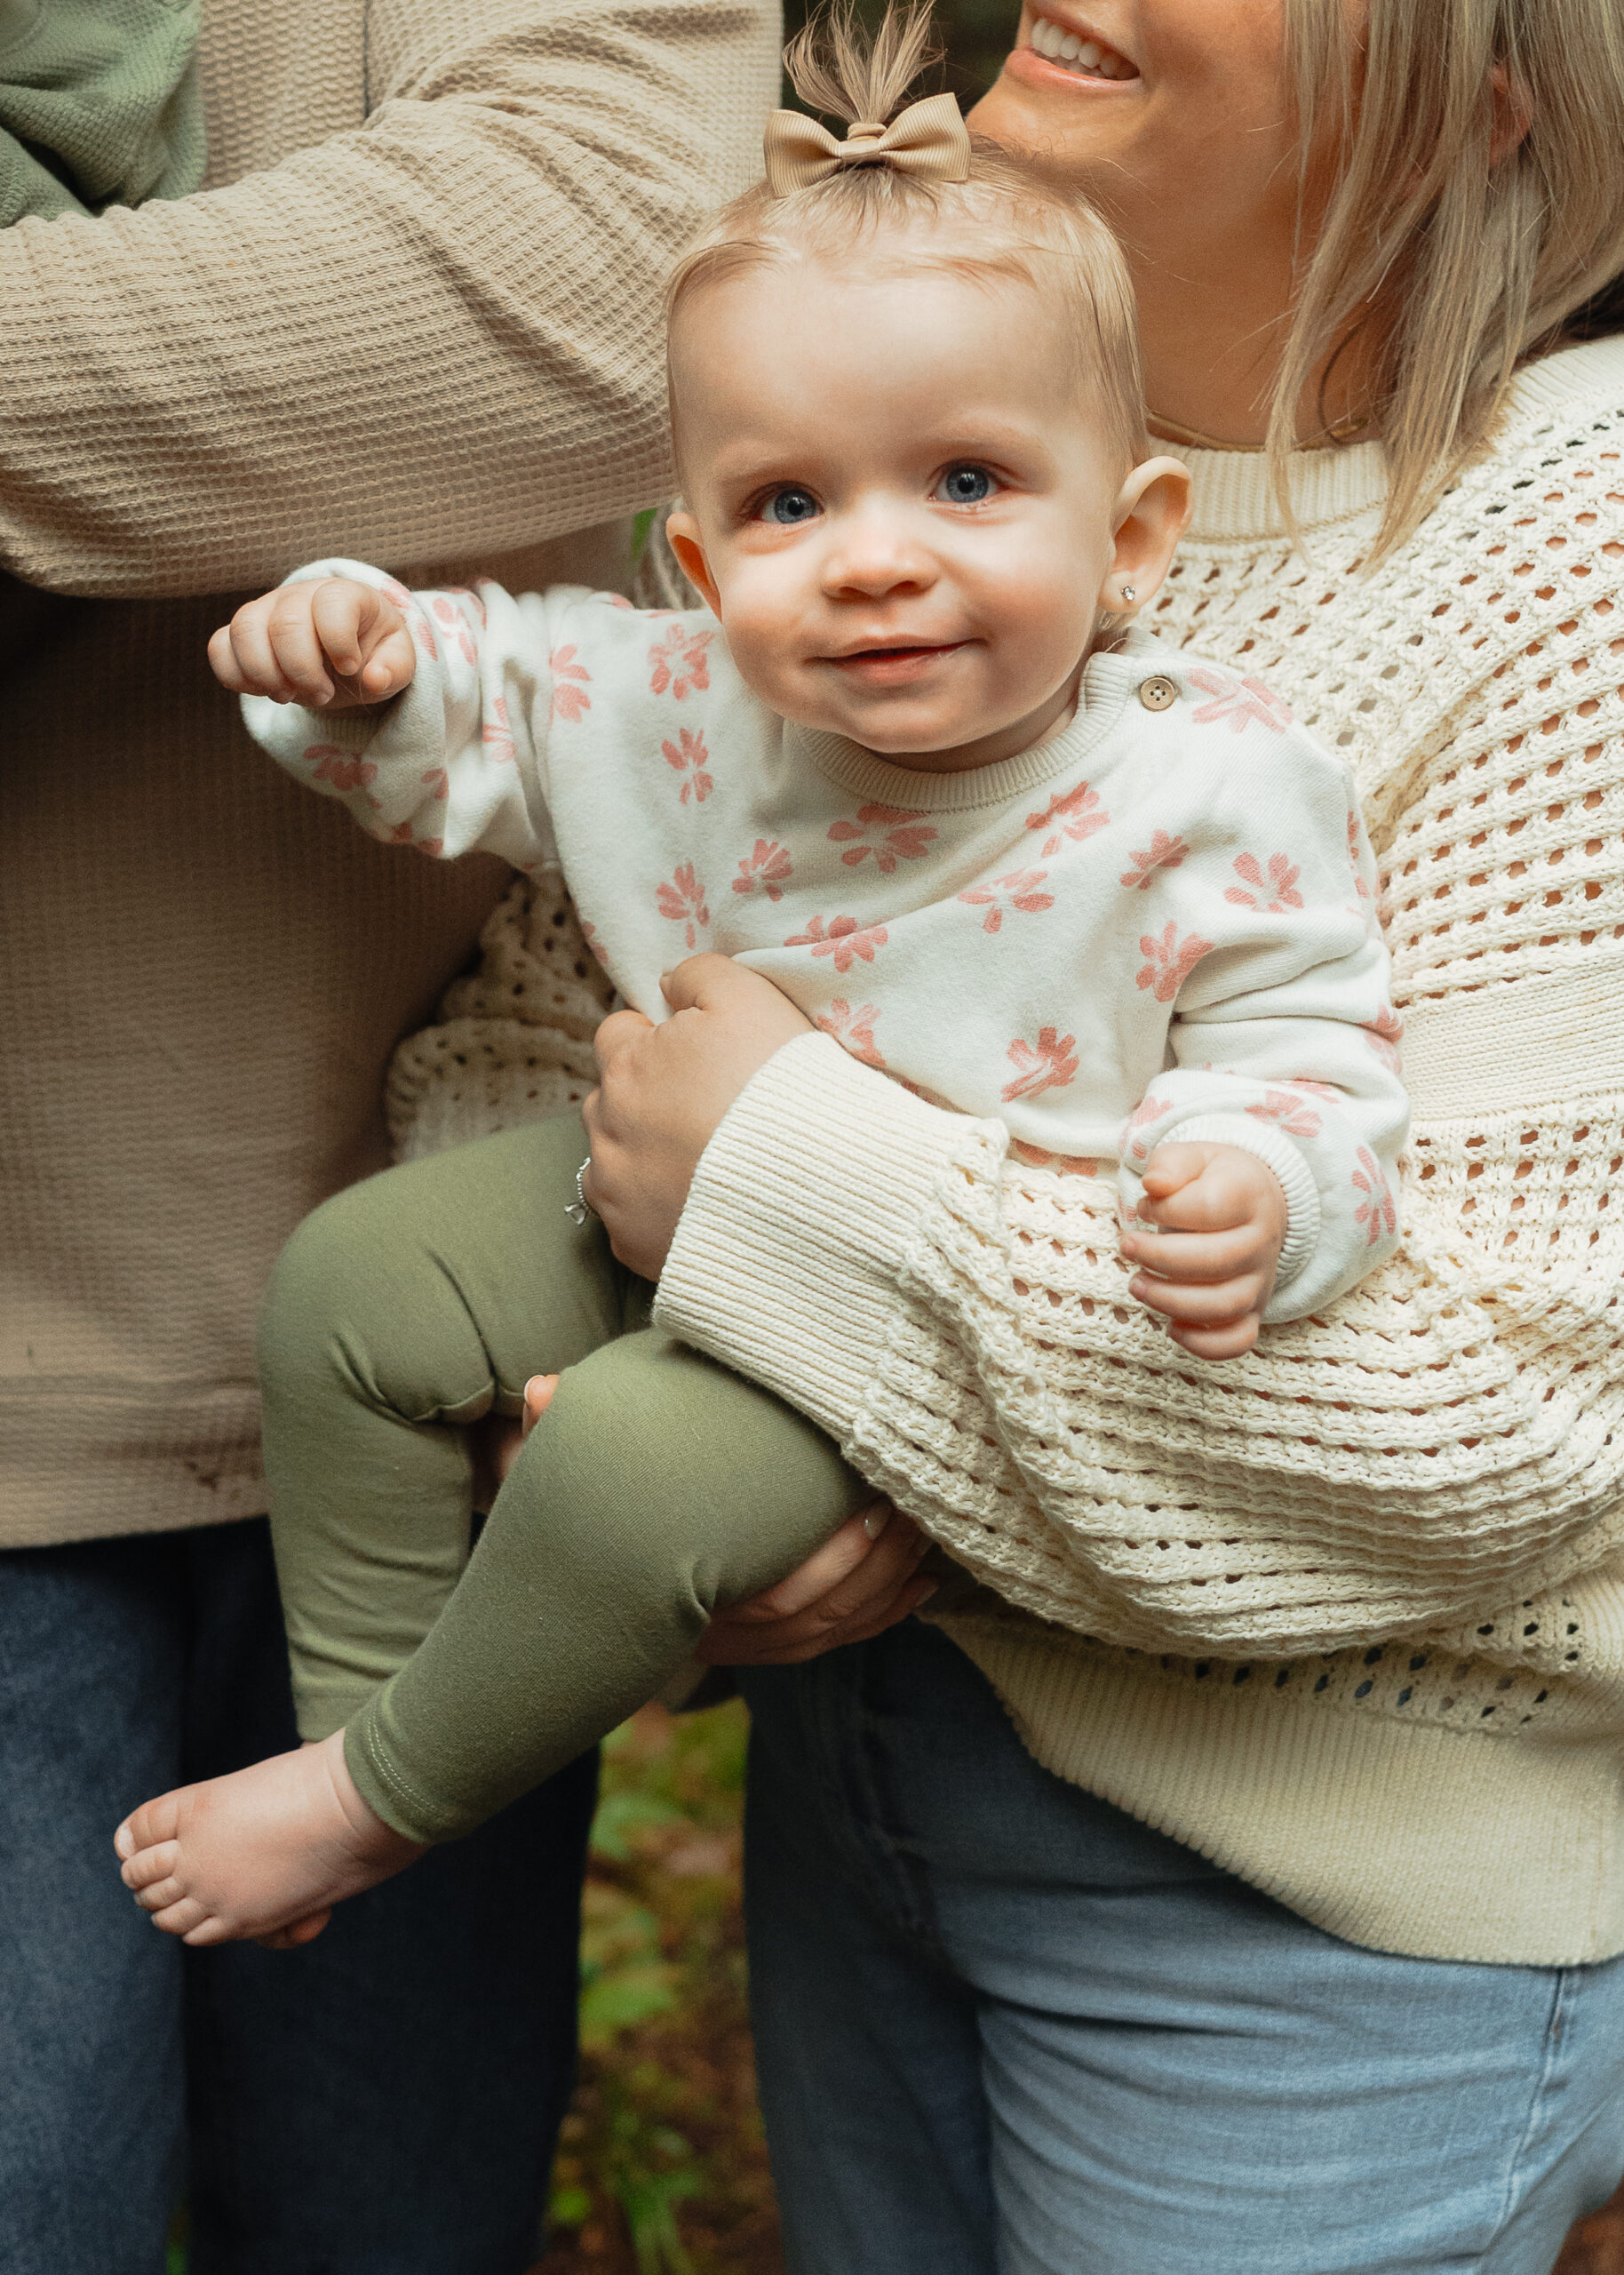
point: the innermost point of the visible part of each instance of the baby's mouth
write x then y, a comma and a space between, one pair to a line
896, 660
1074, 51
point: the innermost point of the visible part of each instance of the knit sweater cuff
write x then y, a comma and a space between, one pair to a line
785, 1261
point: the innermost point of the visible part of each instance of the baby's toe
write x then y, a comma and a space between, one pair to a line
184, 1917
158, 1895
155, 1821
147, 1865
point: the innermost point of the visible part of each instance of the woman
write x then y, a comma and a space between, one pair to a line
1338, 1625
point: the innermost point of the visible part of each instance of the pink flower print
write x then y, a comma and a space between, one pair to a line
423, 634
1360, 886
853, 1031
683, 901
1050, 1064
1275, 893
1078, 813
690, 757
900, 840
1019, 888
1170, 959
1293, 1114
498, 734
459, 631
436, 782
678, 661
844, 939
765, 868
396, 592
469, 602
613, 600
1306, 1083
1376, 1212
570, 681
401, 834
1384, 1034
589, 933
1149, 1109
1164, 853
344, 769
1241, 701
433, 846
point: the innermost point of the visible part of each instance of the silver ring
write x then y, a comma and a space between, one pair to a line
580, 1208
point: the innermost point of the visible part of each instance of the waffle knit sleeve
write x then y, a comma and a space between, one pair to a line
960, 1322
199, 391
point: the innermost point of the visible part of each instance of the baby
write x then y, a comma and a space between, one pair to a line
917, 763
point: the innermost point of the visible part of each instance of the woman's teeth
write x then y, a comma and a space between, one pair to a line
1084, 57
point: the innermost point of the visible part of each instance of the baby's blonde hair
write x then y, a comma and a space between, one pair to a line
1005, 221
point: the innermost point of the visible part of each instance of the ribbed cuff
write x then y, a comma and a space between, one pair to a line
1276, 1150
785, 1261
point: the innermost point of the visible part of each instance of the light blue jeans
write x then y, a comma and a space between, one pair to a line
1005, 2030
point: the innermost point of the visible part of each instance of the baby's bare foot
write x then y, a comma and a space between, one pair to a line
266, 1852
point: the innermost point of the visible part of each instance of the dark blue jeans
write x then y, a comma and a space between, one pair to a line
384, 2102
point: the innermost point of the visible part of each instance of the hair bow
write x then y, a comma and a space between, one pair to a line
929, 139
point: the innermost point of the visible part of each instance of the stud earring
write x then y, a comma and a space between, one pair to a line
1129, 593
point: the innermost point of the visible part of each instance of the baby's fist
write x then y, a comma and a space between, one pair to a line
1208, 1266
331, 643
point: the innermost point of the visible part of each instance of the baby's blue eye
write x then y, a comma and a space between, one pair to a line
966, 485
788, 507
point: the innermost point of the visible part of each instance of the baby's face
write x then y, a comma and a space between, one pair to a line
905, 518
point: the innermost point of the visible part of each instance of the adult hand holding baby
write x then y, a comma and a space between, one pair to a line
663, 1091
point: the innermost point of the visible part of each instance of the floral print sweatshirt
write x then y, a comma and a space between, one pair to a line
1158, 923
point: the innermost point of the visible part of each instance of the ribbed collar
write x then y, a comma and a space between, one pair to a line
1234, 501
1109, 678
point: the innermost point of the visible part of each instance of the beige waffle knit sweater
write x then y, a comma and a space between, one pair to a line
1347, 1614
413, 313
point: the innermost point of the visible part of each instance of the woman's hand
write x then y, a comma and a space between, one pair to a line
662, 1092
863, 1580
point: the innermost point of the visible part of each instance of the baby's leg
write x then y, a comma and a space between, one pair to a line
403, 1307
657, 1487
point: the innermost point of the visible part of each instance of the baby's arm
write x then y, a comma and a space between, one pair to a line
1274, 1135
426, 714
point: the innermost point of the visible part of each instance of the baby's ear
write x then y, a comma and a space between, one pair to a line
683, 535
1152, 509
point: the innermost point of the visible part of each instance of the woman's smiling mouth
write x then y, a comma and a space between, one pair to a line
1075, 52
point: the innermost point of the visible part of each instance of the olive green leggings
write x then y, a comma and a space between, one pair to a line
657, 1487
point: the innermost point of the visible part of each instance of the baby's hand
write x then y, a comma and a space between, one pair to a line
1211, 1267
332, 644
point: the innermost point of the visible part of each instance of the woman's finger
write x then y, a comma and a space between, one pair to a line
618, 1034
840, 1555
879, 1589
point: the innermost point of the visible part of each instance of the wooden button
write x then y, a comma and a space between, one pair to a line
1158, 693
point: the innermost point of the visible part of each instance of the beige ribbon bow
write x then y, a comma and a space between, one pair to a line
928, 139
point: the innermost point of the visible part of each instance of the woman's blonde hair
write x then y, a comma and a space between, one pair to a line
1005, 221
1477, 202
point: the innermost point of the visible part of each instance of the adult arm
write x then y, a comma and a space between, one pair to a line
959, 1321
199, 392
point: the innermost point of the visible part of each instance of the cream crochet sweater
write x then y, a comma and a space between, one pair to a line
1347, 1615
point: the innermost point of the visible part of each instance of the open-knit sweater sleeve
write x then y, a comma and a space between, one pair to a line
1451, 1435
467, 280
